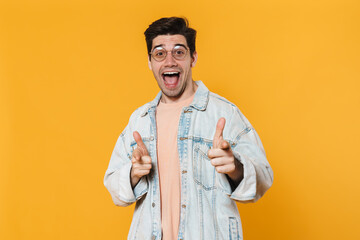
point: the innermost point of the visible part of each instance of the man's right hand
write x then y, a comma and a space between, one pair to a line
141, 161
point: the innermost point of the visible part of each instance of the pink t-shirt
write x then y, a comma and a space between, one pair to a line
167, 122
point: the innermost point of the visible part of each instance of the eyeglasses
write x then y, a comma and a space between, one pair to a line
178, 52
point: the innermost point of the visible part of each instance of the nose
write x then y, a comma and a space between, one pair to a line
170, 60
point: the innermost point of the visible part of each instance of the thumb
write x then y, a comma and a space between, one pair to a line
140, 143
224, 145
218, 137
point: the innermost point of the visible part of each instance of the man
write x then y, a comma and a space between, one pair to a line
188, 154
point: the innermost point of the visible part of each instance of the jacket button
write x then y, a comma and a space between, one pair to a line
183, 138
184, 171
153, 205
183, 206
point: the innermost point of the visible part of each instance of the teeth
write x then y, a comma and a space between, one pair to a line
170, 73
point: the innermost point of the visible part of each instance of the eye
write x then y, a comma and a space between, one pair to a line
179, 51
159, 53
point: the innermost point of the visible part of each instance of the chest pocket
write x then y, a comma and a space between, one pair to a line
203, 171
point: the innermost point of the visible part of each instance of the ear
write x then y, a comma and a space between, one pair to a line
149, 63
194, 59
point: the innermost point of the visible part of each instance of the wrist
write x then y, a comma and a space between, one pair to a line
133, 179
238, 174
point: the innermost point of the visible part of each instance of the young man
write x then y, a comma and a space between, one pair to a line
189, 154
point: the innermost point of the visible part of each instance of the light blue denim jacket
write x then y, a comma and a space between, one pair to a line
208, 209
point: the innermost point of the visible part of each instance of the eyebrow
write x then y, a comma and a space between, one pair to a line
162, 45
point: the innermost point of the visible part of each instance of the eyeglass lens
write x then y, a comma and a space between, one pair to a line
178, 52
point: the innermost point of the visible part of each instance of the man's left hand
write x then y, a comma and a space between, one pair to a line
222, 157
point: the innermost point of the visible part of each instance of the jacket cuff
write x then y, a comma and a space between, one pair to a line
126, 193
141, 188
246, 190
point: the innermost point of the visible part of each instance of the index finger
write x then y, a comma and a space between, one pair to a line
220, 128
140, 142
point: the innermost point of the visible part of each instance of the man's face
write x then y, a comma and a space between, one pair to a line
173, 76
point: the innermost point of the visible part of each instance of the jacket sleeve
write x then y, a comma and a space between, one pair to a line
117, 176
248, 149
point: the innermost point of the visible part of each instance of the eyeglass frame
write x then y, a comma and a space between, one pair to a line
166, 52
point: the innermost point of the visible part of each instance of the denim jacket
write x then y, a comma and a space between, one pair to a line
208, 209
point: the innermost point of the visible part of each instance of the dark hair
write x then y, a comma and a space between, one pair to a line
171, 26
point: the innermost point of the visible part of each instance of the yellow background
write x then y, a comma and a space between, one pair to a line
72, 72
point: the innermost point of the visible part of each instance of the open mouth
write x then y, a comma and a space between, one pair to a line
171, 79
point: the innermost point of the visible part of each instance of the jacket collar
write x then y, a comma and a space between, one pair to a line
199, 102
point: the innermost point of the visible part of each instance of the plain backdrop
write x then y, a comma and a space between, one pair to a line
72, 72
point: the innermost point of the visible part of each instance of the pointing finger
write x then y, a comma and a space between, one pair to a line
219, 128
138, 139
219, 133
140, 143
